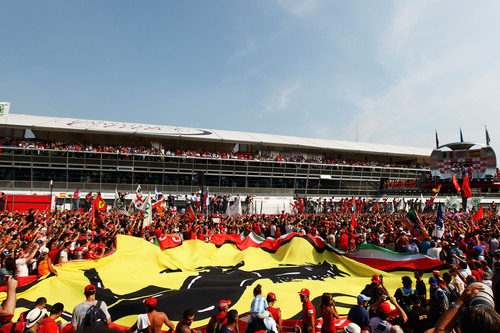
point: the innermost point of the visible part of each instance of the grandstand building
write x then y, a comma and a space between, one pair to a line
73, 154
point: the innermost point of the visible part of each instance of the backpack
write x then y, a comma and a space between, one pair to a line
216, 327
20, 325
94, 317
452, 293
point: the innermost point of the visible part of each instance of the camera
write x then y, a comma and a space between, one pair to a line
483, 297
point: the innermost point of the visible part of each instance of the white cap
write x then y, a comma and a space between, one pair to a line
34, 316
352, 328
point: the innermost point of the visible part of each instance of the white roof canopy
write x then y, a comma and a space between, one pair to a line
113, 127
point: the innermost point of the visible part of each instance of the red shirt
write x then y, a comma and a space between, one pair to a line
48, 325
274, 313
308, 310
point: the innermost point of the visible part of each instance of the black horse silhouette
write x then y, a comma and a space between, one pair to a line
202, 291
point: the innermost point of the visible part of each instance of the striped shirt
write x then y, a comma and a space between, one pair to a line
259, 305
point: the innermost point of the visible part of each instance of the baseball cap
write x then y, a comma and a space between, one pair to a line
436, 272
223, 304
271, 297
433, 281
363, 298
304, 292
151, 301
90, 288
34, 316
375, 278
352, 328
384, 308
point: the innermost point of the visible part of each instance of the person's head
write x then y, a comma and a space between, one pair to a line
406, 280
271, 298
257, 290
478, 319
35, 317
150, 304
363, 300
89, 291
326, 299
183, 329
384, 311
375, 279
304, 295
433, 282
56, 310
232, 317
40, 302
447, 278
486, 276
188, 316
417, 274
415, 300
223, 305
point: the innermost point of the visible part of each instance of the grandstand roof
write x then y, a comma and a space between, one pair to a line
111, 127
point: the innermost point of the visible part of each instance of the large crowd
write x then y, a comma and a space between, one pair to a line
185, 152
33, 243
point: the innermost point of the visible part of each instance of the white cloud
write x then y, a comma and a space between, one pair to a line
436, 84
407, 15
280, 99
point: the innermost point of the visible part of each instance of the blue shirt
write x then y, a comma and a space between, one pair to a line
359, 315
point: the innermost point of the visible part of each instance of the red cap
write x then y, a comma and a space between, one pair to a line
271, 297
384, 308
375, 278
436, 272
304, 292
90, 288
224, 304
151, 301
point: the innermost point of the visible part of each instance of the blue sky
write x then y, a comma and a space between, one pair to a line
396, 70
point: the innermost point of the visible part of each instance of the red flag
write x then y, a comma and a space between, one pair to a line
189, 214
99, 204
467, 193
354, 223
478, 215
455, 182
437, 189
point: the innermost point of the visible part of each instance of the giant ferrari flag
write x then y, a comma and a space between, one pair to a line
196, 274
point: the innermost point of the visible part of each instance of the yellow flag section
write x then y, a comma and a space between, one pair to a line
197, 275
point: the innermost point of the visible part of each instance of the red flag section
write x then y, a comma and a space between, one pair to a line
189, 214
455, 182
371, 255
478, 215
354, 223
99, 204
467, 193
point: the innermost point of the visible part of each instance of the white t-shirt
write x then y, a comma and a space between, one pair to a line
21, 267
434, 252
63, 256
